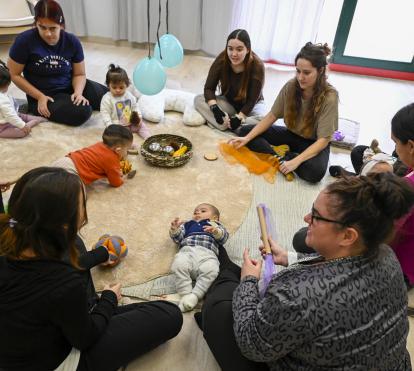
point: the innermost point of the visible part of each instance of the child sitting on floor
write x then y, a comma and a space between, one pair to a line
13, 124
101, 160
119, 106
199, 241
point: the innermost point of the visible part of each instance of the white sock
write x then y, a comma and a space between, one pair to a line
188, 302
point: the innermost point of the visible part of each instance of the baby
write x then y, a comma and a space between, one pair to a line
119, 106
13, 124
102, 159
199, 241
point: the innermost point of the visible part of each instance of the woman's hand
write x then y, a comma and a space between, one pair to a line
288, 166
279, 254
115, 288
78, 99
42, 105
250, 267
238, 142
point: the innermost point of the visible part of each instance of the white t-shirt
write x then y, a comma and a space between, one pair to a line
117, 110
8, 113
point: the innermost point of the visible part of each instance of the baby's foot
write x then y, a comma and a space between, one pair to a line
188, 302
143, 130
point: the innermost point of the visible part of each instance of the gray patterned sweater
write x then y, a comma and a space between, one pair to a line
334, 315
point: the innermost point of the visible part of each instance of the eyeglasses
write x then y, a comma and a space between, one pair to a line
314, 216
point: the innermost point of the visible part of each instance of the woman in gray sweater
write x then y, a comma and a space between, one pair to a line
343, 308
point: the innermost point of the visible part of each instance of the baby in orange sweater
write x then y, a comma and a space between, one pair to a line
102, 159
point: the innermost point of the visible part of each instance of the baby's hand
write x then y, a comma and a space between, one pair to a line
176, 223
26, 129
210, 229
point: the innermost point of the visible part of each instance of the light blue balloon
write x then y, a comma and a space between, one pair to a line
171, 51
149, 76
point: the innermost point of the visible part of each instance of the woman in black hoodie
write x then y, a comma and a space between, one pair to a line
50, 315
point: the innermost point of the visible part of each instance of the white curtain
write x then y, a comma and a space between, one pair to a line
216, 24
74, 11
129, 21
278, 28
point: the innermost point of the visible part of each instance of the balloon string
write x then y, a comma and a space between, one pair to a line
148, 22
159, 24
166, 17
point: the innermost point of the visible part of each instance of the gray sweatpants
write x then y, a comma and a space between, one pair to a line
194, 263
200, 104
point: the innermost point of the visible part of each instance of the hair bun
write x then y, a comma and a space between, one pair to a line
326, 49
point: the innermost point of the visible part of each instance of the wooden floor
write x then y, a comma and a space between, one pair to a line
369, 100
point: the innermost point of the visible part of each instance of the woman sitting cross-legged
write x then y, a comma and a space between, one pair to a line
342, 309
309, 106
50, 315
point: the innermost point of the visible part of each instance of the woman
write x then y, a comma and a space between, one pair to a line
402, 133
343, 309
309, 107
48, 307
240, 74
53, 67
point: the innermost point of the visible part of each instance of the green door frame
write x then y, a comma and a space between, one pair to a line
341, 38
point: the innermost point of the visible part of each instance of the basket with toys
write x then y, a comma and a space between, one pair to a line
167, 150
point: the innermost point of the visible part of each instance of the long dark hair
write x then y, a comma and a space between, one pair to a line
244, 37
51, 10
402, 124
371, 204
43, 214
317, 55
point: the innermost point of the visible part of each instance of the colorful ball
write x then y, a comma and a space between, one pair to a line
115, 245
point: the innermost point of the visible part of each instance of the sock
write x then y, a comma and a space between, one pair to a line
188, 302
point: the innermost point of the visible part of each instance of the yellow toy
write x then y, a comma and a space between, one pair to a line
126, 166
179, 152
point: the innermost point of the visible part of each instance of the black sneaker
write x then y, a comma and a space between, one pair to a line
338, 171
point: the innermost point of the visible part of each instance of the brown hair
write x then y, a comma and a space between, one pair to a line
43, 214
244, 37
317, 55
371, 204
116, 75
51, 10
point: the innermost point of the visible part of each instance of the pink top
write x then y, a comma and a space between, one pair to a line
403, 243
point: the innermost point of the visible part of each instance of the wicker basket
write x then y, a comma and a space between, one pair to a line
163, 159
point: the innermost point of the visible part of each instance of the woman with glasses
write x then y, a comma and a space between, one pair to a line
47, 63
343, 308
402, 133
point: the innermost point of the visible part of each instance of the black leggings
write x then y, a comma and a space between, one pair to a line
312, 170
133, 330
63, 111
217, 319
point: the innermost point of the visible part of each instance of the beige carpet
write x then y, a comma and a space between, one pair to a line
141, 210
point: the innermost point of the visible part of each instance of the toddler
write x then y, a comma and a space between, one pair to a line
119, 106
13, 124
101, 160
199, 241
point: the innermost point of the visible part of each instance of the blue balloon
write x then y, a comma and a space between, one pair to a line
171, 51
149, 76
